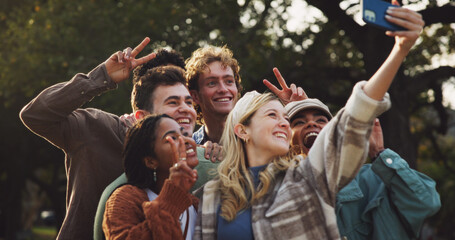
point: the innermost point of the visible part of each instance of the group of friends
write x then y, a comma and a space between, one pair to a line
274, 165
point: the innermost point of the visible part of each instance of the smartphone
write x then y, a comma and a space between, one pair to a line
374, 11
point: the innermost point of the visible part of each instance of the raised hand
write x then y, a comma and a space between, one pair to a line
376, 140
213, 151
287, 94
408, 19
120, 64
180, 173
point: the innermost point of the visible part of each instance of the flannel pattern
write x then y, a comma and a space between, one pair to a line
301, 204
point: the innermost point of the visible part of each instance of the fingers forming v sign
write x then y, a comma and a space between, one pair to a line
287, 94
120, 64
180, 173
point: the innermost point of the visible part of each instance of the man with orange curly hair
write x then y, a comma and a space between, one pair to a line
214, 83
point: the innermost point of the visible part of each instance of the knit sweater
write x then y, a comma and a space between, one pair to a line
130, 215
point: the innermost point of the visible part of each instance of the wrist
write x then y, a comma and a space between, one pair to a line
378, 153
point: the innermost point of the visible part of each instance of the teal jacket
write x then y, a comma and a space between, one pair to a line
386, 200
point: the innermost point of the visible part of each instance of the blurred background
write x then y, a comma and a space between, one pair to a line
321, 45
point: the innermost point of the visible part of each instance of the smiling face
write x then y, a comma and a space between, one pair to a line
269, 132
176, 102
306, 126
217, 91
162, 147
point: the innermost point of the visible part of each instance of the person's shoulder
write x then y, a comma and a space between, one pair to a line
127, 193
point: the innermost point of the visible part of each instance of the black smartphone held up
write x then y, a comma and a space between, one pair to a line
374, 11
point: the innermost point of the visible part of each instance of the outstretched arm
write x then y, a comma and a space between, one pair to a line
343, 141
52, 114
380, 82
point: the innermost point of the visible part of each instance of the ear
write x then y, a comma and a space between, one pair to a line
195, 96
140, 114
241, 131
151, 162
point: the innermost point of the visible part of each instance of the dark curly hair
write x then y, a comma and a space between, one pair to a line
163, 57
138, 145
144, 88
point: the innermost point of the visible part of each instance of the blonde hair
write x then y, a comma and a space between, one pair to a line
199, 61
237, 187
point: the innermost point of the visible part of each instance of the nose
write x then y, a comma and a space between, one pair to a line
284, 123
311, 123
185, 108
222, 87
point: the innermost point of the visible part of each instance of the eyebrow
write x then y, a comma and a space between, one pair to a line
276, 111
168, 133
174, 97
223, 77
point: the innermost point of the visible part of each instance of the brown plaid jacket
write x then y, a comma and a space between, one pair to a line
301, 204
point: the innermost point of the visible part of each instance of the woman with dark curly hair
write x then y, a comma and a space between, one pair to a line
156, 203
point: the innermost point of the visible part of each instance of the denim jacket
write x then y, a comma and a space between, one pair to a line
386, 200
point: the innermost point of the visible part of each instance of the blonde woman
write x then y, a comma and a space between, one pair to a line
263, 193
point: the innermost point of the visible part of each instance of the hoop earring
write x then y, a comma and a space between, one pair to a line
154, 175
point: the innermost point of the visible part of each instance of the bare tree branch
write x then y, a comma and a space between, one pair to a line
440, 109
443, 14
345, 22
422, 82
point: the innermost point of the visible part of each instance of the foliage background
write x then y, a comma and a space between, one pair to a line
43, 42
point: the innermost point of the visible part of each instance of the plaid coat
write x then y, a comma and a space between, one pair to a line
301, 203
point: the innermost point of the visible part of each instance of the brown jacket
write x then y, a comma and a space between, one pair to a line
130, 215
91, 139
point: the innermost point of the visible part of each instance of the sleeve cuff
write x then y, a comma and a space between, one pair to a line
387, 165
99, 81
364, 108
172, 199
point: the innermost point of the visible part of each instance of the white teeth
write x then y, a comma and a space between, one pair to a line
184, 120
311, 134
223, 100
282, 135
190, 151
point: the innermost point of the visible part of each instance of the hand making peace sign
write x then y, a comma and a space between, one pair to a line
120, 64
286, 94
181, 172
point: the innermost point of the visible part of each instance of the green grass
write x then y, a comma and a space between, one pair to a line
44, 233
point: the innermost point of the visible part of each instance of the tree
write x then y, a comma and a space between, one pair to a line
48, 41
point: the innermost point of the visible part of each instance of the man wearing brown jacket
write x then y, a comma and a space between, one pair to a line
91, 138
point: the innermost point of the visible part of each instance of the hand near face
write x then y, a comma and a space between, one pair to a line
213, 151
408, 19
376, 140
120, 64
287, 94
180, 173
